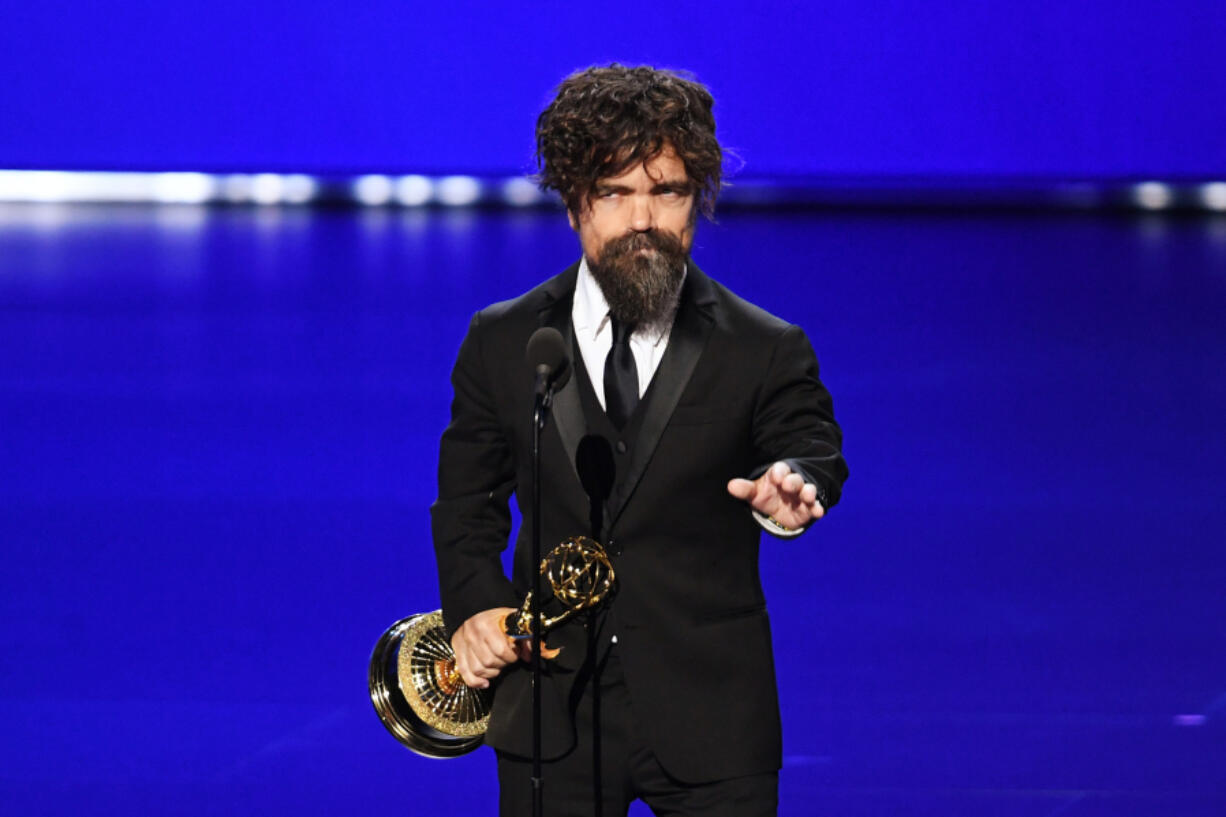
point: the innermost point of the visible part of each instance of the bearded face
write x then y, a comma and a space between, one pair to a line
636, 229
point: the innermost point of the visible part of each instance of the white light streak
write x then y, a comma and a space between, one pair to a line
373, 191
414, 191
458, 191
1213, 196
54, 185
298, 188
236, 188
520, 192
1153, 195
267, 188
28, 185
183, 188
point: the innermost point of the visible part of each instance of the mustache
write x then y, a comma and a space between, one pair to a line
663, 242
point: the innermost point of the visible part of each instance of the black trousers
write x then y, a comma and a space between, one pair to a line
611, 767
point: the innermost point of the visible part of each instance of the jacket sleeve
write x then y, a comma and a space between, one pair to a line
471, 519
794, 419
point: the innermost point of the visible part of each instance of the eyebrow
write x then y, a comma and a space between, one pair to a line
681, 185
612, 188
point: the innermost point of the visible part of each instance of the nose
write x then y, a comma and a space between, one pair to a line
642, 216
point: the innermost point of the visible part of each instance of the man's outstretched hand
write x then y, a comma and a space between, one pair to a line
781, 494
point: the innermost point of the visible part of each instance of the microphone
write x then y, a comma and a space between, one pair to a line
549, 359
550, 362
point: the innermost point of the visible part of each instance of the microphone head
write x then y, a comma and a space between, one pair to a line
547, 354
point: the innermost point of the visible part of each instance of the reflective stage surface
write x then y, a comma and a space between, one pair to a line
219, 436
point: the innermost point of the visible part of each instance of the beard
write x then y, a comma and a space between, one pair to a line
641, 288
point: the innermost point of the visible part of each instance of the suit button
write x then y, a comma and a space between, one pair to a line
621, 447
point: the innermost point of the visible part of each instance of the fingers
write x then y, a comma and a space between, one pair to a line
787, 481
790, 485
793, 502
493, 650
742, 488
481, 648
472, 672
781, 494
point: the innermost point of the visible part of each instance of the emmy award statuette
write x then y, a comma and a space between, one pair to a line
414, 685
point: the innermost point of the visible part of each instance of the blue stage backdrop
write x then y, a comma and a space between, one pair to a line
894, 88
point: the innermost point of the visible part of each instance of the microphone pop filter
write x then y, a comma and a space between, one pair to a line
547, 349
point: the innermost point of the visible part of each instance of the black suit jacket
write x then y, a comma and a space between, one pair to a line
736, 390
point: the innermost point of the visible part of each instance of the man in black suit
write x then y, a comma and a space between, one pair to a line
693, 421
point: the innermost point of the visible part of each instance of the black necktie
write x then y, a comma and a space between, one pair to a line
621, 377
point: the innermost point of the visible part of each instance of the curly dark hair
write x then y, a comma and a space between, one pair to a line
605, 119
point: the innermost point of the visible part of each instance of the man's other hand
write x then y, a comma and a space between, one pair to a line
481, 647
781, 494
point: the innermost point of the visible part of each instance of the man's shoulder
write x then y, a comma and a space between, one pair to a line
735, 313
528, 306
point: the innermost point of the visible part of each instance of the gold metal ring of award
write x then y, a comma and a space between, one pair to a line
414, 684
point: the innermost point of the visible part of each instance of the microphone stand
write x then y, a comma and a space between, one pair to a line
544, 399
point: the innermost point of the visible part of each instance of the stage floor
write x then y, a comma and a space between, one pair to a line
219, 437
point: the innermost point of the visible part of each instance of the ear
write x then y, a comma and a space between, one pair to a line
574, 221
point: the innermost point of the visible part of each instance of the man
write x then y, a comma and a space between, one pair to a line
693, 420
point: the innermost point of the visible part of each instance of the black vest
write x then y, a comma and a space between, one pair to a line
602, 458
604, 452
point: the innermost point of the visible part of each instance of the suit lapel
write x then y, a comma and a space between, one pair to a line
567, 412
688, 338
